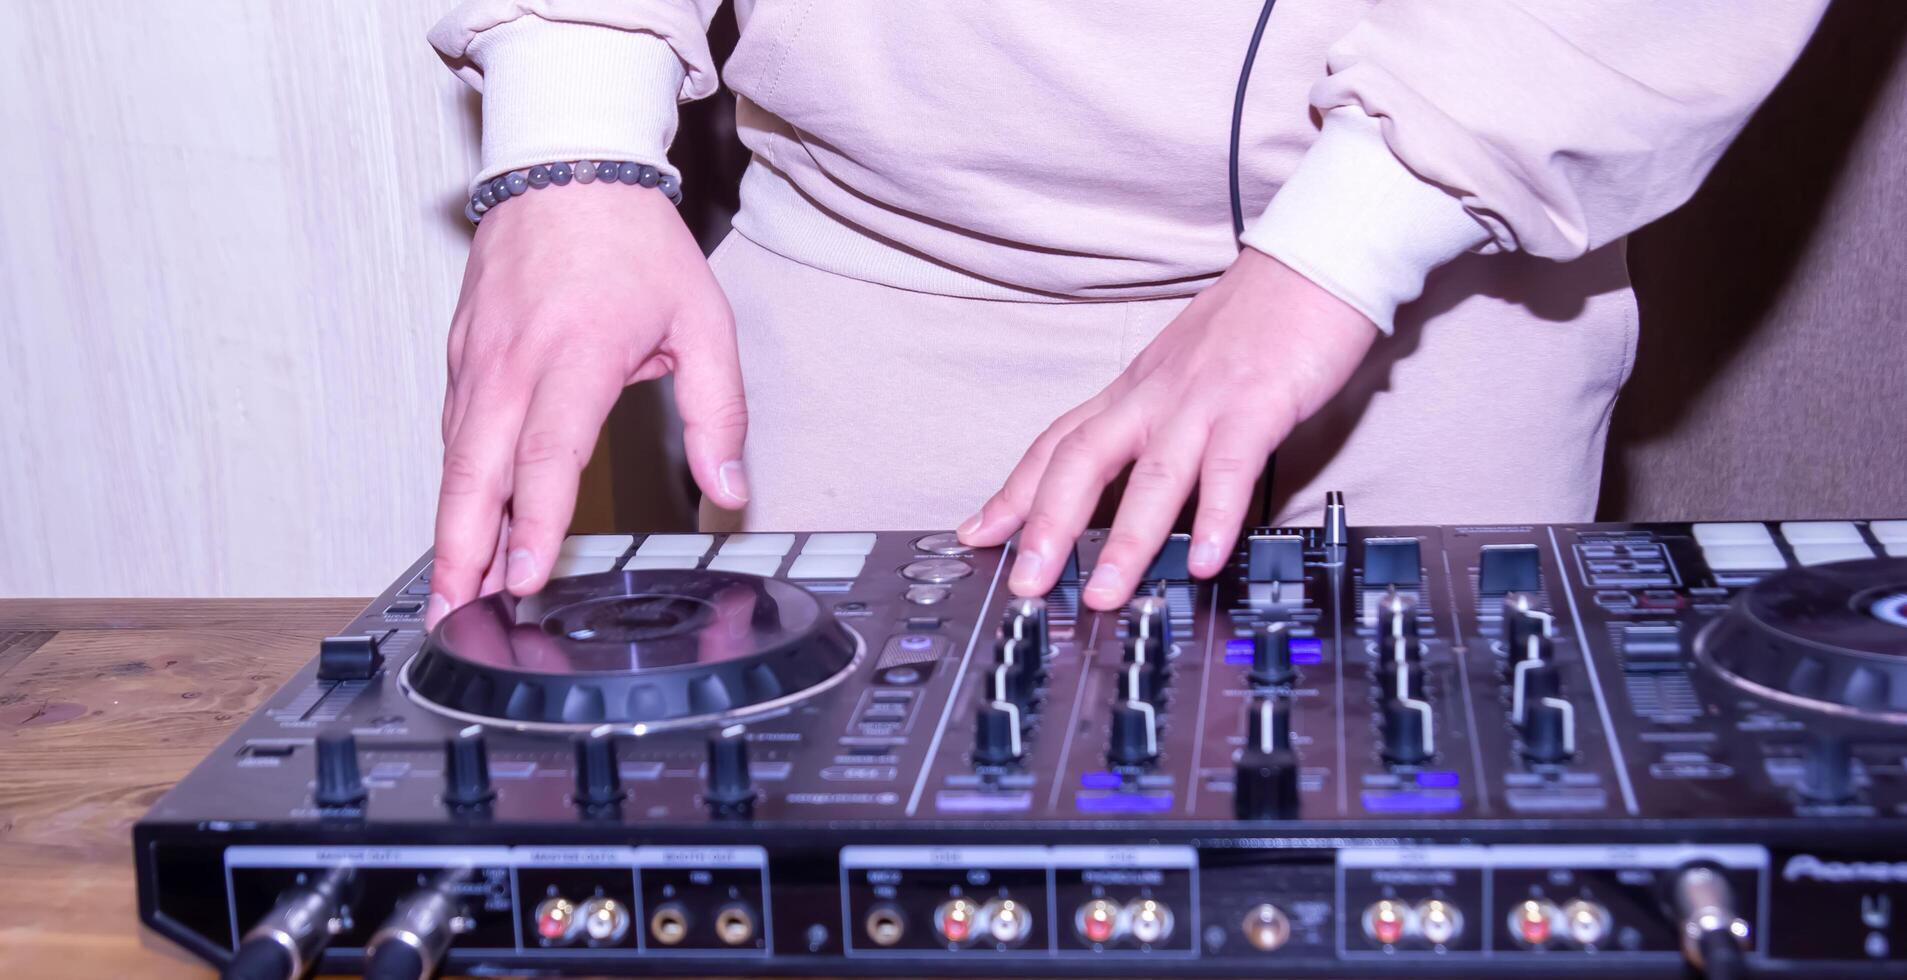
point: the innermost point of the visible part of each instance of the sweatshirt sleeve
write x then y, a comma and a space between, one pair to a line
579, 79
1556, 126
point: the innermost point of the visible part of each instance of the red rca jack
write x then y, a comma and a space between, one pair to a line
1388, 921
955, 920
1149, 921
1533, 921
555, 920
1098, 921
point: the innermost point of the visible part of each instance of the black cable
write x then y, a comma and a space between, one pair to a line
1238, 213
1721, 956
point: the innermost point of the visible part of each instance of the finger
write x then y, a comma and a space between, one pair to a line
470, 499
708, 394
1006, 510
1160, 482
493, 575
1081, 465
1233, 459
565, 416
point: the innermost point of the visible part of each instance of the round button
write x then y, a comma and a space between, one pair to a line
942, 543
937, 570
928, 595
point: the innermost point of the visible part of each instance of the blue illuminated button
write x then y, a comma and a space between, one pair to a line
1406, 801
1112, 802
1437, 780
1099, 780
1306, 650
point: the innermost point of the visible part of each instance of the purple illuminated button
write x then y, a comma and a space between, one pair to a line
1100, 801
1406, 801
1238, 651
1306, 650
1098, 780
1437, 780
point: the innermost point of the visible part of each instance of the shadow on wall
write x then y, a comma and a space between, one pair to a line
1771, 309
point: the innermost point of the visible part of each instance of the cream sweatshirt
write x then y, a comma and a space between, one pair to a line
1068, 150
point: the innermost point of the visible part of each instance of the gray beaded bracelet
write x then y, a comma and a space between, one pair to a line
519, 182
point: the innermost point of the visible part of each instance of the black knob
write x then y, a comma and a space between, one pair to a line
349, 658
1271, 654
467, 769
1026, 622
1139, 684
728, 779
996, 733
1149, 630
1403, 679
598, 773
1008, 683
1396, 623
1135, 733
1549, 730
1829, 774
1523, 618
1023, 656
339, 783
1532, 681
1408, 736
1266, 776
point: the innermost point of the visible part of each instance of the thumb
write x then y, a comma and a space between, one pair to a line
708, 394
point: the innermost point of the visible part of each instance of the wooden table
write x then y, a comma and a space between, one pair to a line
104, 704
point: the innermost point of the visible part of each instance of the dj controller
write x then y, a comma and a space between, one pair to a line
1626, 750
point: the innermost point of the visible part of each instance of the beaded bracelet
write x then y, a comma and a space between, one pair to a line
519, 182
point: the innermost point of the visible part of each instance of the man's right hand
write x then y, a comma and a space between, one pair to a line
570, 294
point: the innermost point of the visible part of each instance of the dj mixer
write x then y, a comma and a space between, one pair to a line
1610, 749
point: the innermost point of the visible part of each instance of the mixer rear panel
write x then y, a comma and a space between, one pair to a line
1449, 810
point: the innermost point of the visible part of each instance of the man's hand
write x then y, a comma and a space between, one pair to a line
569, 295
1256, 353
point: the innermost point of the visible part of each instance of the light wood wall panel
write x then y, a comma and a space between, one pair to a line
230, 243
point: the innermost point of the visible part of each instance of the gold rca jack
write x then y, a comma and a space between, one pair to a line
669, 924
735, 924
885, 925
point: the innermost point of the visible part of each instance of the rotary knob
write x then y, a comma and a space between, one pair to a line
339, 783
1397, 624
729, 784
598, 773
1149, 629
1532, 681
1409, 733
1271, 654
1523, 619
467, 769
996, 733
1135, 733
1266, 776
1549, 730
1026, 625
1140, 684
1008, 683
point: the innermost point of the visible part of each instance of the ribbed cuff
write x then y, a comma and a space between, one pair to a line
1357, 222
556, 91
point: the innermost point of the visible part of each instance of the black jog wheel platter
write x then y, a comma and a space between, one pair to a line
642, 650
1829, 640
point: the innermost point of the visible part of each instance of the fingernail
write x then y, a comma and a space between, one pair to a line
439, 606
522, 569
733, 480
968, 526
1205, 554
1105, 578
1026, 570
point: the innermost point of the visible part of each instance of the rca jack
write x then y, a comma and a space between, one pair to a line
1586, 923
604, 919
1438, 921
1007, 921
1099, 921
1267, 927
955, 919
885, 925
669, 924
555, 920
735, 924
1533, 921
1148, 921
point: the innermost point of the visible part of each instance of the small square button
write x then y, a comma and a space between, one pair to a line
757, 544
746, 564
839, 543
1888, 532
657, 545
1732, 533
571, 565
597, 545
1821, 554
826, 566
1821, 532
1744, 557
660, 563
